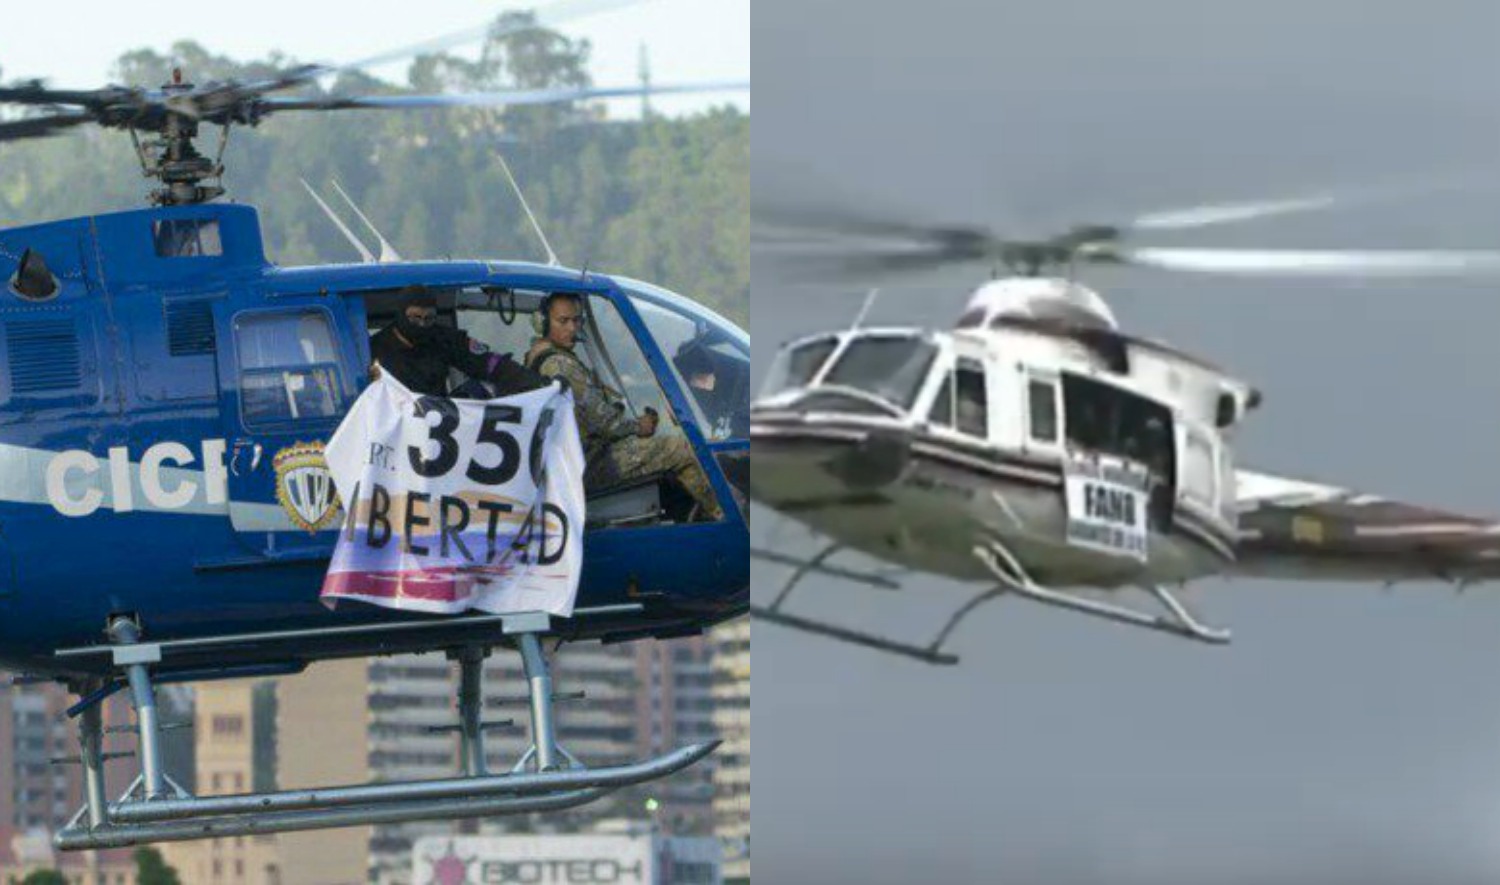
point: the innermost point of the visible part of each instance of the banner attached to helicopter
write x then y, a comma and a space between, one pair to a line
458, 504
1107, 507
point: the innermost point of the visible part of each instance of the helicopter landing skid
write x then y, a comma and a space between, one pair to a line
931, 653
546, 778
1178, 620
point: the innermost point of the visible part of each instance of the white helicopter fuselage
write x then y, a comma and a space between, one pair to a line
1095, 459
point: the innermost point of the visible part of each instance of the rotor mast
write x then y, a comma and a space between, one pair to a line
172, 158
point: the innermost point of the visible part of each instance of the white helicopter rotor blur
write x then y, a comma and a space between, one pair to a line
1035, 447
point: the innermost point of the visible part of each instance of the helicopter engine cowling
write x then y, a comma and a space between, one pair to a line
1048, 298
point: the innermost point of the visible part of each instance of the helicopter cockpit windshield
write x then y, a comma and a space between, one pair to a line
710, 356
884, 369
797, 364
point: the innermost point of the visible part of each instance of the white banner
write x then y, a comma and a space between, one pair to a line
458, 504
1107, 507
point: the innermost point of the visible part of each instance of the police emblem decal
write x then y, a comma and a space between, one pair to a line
304, 487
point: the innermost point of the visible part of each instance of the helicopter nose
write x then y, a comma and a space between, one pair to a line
875, 462
822, 447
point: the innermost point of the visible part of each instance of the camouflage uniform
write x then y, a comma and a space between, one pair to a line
611, 446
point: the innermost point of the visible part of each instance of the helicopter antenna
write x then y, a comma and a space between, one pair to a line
348, 234
387, 251
869, 303
644, 69
551, 256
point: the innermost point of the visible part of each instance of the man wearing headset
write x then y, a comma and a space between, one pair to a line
418, 352
615, 445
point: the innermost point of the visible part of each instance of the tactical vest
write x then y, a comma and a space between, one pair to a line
548, 349
592, 448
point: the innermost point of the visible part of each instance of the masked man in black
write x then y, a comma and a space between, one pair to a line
418, 352
726, 417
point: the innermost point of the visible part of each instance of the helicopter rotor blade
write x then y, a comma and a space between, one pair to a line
1252, 210
547, 16
833, 243
838, 222
1313, 263
34, 93
494, 99
809, 260
31, 127
226, 101
1224, 213
554, 14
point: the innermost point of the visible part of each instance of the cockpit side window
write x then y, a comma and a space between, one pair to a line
941, 413
288, 364
962, 403
1042, 410
972, 404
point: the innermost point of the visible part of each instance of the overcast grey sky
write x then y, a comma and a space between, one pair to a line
1349, 734
688, 40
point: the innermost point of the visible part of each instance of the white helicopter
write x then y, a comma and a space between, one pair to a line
1037, 448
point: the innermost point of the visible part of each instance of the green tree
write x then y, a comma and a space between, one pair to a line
44, 877
150, 869
666, 200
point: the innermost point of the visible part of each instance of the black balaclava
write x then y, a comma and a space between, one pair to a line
415, 296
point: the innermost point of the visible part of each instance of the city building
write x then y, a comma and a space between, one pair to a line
731, 692
674, 708
323, 727
41, 786
234, 726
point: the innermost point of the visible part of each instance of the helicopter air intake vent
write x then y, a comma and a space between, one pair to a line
43, 355
190, 328
32, 280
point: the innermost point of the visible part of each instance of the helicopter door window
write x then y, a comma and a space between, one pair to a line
1228, 485
1042, 410
288, 367
942, 407
969, 399
187, 238
1198, 472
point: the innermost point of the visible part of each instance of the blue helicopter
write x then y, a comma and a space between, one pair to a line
164, 514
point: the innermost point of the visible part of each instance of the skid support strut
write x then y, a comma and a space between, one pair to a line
539, 679
91, 755
1178, 620
557, 781
931, 653
133, 658
470, 708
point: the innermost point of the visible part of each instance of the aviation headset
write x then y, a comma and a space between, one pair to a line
541, 321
